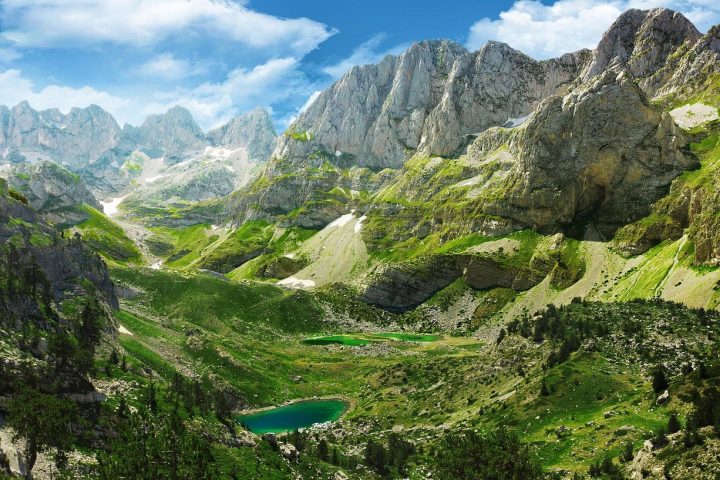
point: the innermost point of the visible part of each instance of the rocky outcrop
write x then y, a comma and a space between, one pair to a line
578, 156
59, 267
690, 208
253, 131
401, 287
404, 286
483, 273
52, 190
696, 69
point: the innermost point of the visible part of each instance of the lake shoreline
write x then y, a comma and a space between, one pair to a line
351, 403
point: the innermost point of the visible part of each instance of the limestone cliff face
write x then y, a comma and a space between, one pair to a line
691, 72
601, 150
426, 100
643, 42
433, 99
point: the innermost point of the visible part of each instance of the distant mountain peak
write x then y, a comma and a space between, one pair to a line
252, 130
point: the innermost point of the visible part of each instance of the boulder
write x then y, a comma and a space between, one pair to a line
288, 451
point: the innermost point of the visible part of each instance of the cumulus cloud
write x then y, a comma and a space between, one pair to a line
313, 96
213, 103
49, 23
367, 52
14, 88
545, 31
167, 67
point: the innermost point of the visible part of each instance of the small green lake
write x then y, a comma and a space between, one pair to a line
294, 416
358, 340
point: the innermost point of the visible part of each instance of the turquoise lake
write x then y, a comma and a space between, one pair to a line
294, 416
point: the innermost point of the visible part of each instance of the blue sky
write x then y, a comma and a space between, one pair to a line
220, 58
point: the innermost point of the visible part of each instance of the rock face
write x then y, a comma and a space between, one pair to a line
30, 242
51, 189
643, 41
253, 131
578, 156
582, 136
79, 138
169, 135
402, 287
426, 100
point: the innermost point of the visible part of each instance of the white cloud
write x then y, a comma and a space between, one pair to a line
289, 118
367, 52
15, 88
544, 31
167, 67
213, 103
313, 96
49, 23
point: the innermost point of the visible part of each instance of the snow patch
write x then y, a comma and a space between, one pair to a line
156, 266
298, 283
110, 208
124, 330
339, 222
358, 224
516, 122
153, 179
338, 153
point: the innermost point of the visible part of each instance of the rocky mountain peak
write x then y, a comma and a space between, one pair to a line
253, 130
170, 134
642, 40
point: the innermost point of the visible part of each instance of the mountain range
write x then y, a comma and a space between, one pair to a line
499, 267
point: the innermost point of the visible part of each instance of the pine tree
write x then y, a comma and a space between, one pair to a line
673, 423
323, 450
544, 389
659, 382
43, 421
152, 399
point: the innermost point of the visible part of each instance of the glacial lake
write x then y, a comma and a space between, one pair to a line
291, 417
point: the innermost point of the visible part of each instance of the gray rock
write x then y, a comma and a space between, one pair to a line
288, 451
642, 41
253, 130
51, 189
171, 135
79, 138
